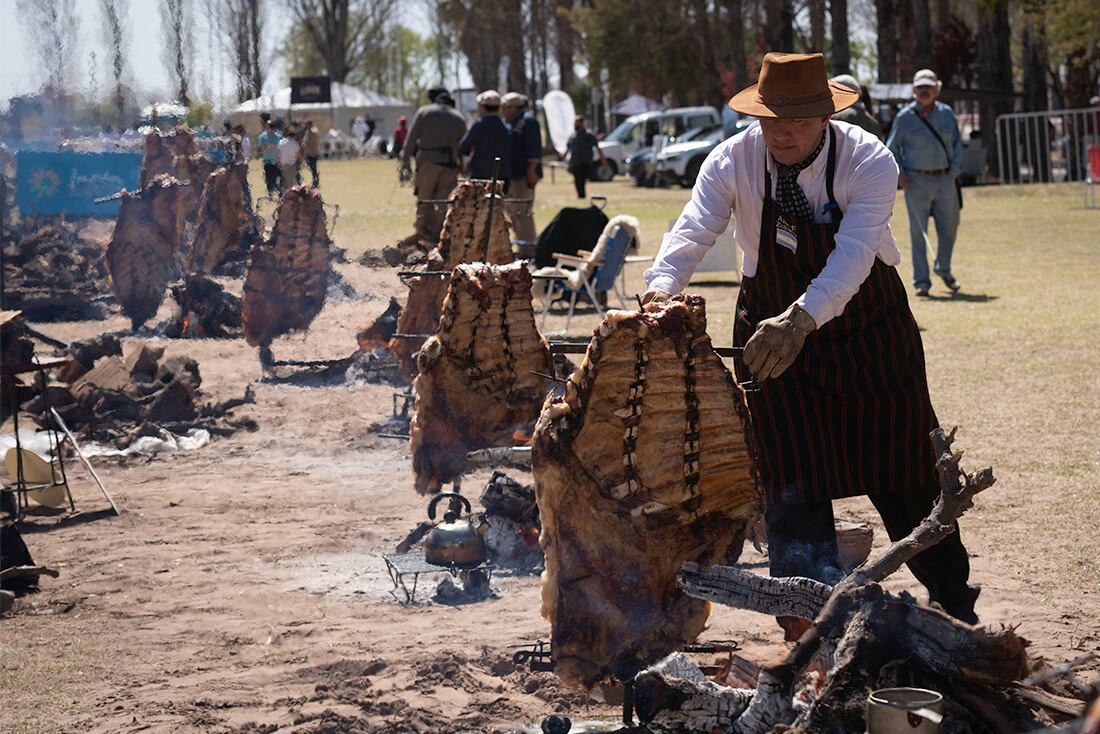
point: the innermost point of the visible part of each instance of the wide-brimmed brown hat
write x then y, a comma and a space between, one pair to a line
793, 85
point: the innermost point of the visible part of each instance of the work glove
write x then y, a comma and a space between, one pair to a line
777, 341
655, 296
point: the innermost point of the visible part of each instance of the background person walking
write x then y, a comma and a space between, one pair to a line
927, 145
583, 150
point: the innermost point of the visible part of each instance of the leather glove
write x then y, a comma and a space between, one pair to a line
655, 296
777, 341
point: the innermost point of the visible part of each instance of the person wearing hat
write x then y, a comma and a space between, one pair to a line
842, 407
525, 151
857, 114
582, 150
926, 142
487, 140
432, 142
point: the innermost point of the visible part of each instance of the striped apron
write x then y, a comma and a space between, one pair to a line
852, 415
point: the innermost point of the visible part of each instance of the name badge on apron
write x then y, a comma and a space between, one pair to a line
784, 234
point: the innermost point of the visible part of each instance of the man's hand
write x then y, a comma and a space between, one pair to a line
655, 296
777, 341
532, 179
903, 181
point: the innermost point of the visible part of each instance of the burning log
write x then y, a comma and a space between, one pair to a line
205, 309
142, 255
477, 380
287, 278
227, 226
52, 272
465, 238
380, 332
641, 467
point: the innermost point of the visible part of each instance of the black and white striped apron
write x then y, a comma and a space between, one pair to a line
852, 415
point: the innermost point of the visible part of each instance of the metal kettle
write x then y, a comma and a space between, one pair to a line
453, 542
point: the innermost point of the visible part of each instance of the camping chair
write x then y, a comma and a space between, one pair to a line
590, 273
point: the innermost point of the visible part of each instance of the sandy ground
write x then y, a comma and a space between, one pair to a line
243, 589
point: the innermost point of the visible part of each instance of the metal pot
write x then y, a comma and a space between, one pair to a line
453, 542
904, 711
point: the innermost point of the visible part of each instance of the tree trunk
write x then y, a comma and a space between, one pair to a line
906, 39
817, 25
994, 69
736, 31
922, 34
1034, 45
780, 25
840, 54
886, 41
566, 43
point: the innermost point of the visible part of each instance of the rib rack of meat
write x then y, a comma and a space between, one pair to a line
161, 151
287, 277
142, 252
640, 467
226, 224
461, 240
477, 383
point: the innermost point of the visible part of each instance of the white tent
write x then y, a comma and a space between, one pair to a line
347, 103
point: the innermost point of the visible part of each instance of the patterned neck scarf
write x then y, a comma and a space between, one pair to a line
792, 201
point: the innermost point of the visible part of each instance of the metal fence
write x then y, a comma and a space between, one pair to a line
1049, 147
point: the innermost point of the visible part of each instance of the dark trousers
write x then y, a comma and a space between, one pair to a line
580, 176
311, 161
802, 542
272, 174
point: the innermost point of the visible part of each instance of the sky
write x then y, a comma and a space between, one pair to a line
20, 72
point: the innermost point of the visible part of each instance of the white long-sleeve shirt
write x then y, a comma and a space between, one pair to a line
731, 181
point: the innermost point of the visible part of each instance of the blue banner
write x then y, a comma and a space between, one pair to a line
69, 183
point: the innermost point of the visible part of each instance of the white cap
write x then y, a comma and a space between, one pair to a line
847, 80
489, 98
926, 78
513, 99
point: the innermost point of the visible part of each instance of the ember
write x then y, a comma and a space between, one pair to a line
52, 272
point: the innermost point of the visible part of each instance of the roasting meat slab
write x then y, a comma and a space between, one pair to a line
476, 385
287, 277
461, 240
640, 467
226, 223
142, 252
161, 150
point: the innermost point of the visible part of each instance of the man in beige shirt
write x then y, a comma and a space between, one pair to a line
433, 141
311, 149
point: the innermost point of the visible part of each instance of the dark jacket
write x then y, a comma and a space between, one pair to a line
526, 145
487, 139
582, 147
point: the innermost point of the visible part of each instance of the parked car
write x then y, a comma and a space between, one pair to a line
680, 162
638, 131
641, 165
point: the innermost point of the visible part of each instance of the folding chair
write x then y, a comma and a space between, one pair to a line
591, 273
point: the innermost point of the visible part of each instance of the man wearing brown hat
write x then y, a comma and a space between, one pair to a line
843, 406
432, 141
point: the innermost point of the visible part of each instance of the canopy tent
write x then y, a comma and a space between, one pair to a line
636, 104
347, 103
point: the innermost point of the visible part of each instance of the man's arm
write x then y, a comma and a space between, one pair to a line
469, 140
704, 219
412, 140
871, 193
896, 143
956, 146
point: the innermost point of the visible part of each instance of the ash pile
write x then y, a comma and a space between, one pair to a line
113, 393
53, 272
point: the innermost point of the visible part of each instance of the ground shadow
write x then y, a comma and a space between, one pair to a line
77, 518
714, 283
964, 297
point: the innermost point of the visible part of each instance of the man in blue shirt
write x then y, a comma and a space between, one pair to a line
926, 142
526, 169
486, 140
269, 153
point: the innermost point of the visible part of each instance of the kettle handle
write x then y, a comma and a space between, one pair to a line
435, 501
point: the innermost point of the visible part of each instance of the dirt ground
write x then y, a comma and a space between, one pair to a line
243, 589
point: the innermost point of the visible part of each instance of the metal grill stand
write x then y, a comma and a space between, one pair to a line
401, 565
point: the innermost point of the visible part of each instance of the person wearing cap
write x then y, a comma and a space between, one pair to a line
487, 140
857, 114
525, 151
842, 407
433, 143
926, 142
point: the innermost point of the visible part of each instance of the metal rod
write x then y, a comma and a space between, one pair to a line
575, 348
548, 377
412, 336
492, 200
421, 273
394, 435
79, 453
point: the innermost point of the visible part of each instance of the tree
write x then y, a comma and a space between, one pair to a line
488, 31
779, 31
343, 32
840, 55
886, 41
51, 26
922, 33
243, 21
565, 43
114, 39
817, 25
994, 66
175, 22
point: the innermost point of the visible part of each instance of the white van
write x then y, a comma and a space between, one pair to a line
638, 132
